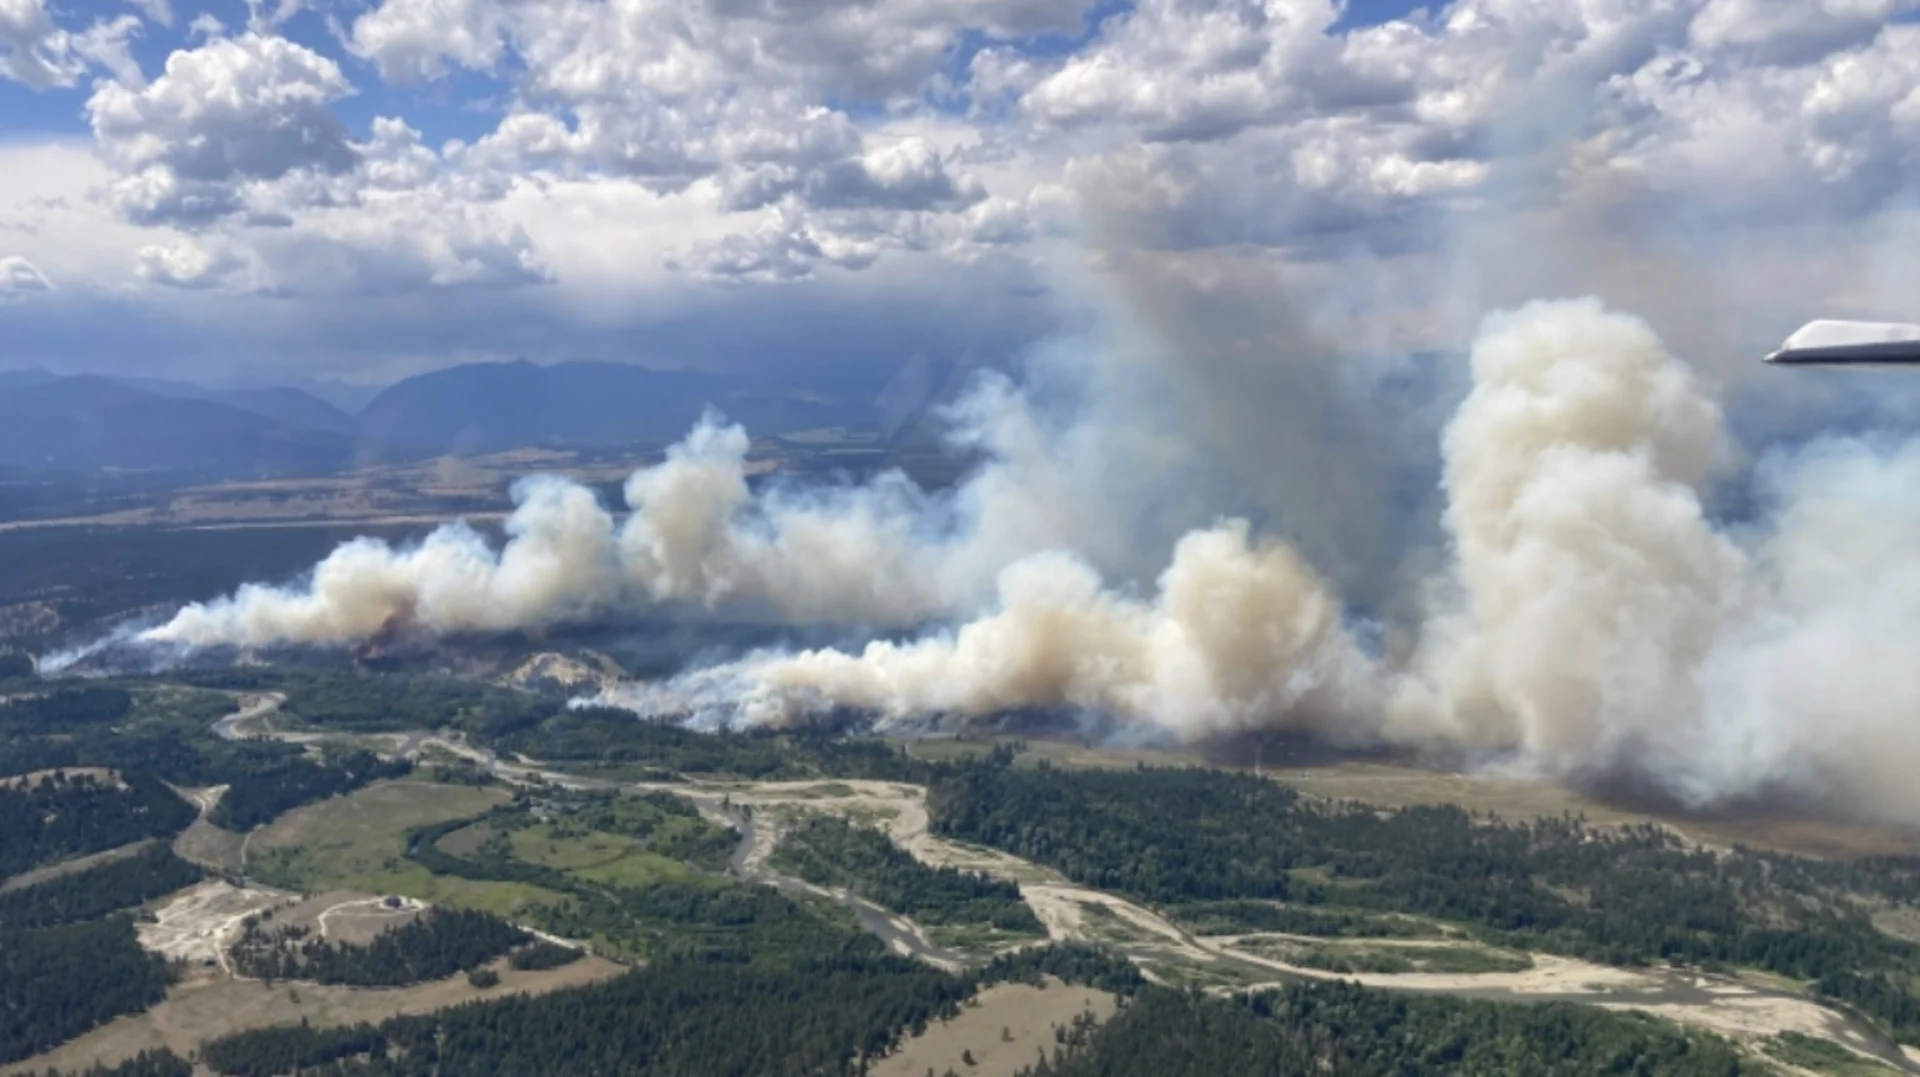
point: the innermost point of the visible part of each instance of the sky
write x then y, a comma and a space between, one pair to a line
363, 189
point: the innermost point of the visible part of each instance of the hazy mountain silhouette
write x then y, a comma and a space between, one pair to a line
484, 407
71, 424
87, 423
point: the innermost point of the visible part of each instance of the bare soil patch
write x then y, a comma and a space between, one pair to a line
198, 924
1006, 1027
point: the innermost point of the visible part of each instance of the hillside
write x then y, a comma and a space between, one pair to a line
486, 407
87, 423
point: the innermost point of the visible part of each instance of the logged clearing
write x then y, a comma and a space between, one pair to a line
209, 846
1005, 1028
208, 1005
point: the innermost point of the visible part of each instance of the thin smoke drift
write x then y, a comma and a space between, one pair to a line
1590, 619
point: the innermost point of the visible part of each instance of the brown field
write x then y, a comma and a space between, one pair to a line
1005, 1029
348, 917
1393, 785
209, 1004
209, 846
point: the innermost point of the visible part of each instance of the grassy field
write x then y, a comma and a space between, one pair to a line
358, 843
593, 856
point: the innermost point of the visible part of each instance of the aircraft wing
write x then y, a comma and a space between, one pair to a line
1837, 343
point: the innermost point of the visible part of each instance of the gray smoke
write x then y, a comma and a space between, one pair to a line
883, 554
1593, 621
1587, 618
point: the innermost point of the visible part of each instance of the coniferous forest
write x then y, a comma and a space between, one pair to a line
1176, 837
1340, 1030
60, 815
439, 943
58, 982
122, 883
832, 852
69, 958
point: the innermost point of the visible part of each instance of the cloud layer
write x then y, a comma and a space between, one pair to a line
621, 158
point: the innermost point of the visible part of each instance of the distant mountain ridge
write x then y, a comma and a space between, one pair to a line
75, 423
487, 407
90, 423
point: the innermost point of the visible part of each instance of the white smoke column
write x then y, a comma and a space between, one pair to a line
1589, 585
1240, 633
1598, 625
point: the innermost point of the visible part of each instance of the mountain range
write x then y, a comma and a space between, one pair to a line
51, 423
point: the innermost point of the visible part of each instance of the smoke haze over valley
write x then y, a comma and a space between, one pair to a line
1384, 379
1585, 616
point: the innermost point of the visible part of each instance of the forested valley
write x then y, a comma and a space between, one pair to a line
742, 978
1190, 839
832, 1015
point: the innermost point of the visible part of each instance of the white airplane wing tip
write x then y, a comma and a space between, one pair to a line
1830, 342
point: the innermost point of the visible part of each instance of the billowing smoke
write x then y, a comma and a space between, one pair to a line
1589, 617
882, 554
1239, 633
1593, 622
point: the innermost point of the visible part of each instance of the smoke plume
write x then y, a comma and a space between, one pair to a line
1592, 623
1239, 633
880, 554
1588, 617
